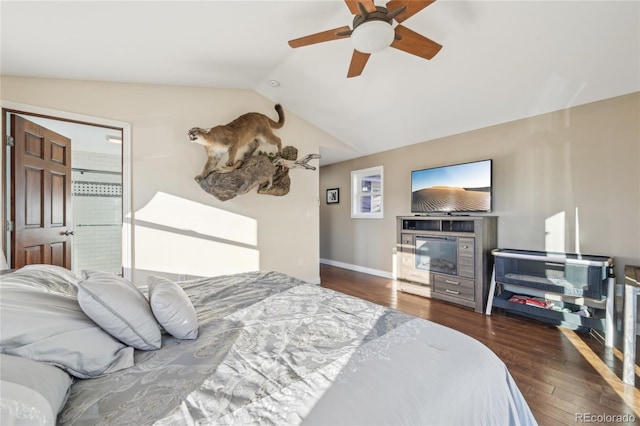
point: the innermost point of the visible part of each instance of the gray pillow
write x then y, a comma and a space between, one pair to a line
119, 308
172, 308
32, 392
47, 324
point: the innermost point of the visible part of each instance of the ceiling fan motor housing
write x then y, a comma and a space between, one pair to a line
379, 15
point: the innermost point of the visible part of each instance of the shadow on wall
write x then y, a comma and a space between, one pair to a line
185, 239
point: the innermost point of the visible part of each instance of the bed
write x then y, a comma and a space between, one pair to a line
252, 348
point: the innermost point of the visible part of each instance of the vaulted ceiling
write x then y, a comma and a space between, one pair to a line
500, 61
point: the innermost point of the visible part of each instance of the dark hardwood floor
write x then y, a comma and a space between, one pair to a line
564, 376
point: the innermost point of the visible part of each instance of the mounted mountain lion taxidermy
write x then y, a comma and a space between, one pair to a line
232, 137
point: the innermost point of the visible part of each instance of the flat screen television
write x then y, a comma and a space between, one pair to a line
455, 188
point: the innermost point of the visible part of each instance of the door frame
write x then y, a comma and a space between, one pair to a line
127, 211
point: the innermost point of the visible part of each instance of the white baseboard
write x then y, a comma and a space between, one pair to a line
358, 268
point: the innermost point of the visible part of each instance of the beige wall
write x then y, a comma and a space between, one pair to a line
178, 228
564, 181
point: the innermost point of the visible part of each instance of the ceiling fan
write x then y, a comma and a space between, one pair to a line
372, 32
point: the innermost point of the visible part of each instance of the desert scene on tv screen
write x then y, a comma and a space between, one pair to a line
465, 187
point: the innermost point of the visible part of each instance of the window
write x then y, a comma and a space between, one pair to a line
366, 193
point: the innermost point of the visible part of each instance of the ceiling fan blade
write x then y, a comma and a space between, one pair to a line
412, 7
358, 61
334, 34
355, 10
414, 43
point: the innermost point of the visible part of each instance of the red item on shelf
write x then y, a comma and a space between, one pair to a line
518, 299
538, 302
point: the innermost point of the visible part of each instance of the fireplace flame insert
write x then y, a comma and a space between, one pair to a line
437, 254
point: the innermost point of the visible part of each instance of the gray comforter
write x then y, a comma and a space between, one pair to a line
275, 350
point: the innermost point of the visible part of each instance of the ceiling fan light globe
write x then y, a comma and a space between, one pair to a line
372, 36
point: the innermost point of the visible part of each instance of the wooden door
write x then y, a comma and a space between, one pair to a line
41, 196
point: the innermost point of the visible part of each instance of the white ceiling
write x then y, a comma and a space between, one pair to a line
501, 60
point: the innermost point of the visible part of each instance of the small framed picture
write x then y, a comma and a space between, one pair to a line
333, 196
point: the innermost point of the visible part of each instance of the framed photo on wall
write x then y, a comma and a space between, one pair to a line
333, 196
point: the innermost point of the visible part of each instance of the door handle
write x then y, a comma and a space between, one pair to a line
68, 232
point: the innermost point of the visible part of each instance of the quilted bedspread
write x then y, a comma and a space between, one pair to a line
275, 350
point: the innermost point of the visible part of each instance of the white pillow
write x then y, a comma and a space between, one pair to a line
172, 308
51, 278
32, 392
119, 308
41, 319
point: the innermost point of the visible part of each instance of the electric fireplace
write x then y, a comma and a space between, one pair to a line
437, 254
